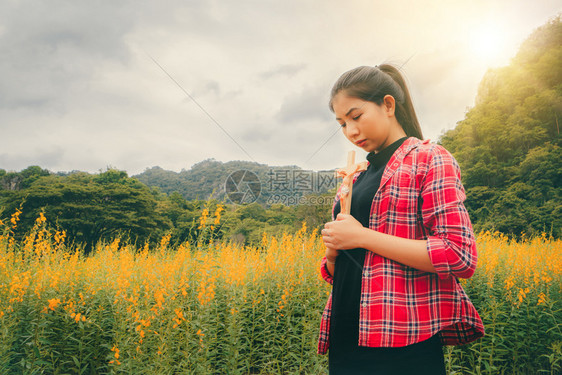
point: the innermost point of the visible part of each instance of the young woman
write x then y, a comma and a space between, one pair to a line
395, 261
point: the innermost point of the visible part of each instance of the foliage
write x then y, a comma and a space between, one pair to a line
207, 307
509, 144
90, 208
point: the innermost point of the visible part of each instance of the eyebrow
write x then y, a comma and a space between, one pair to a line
348, 112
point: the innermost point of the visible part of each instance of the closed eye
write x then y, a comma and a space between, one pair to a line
356, 117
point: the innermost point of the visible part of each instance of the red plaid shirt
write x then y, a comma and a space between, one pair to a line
420, 197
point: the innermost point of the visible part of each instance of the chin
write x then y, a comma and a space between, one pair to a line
374, 149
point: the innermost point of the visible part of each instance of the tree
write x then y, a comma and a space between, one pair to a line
508, 145
91, 208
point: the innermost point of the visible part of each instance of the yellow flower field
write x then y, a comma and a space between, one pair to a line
219, 308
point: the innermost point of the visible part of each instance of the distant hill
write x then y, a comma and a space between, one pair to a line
275, 184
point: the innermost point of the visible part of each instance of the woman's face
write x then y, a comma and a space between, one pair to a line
366, 124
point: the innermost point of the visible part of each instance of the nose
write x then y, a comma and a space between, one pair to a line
351, 130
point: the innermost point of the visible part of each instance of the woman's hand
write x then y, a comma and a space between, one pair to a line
342, 234
346, 233
331, 255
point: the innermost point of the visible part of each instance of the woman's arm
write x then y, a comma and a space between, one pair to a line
347, 233
451, 243
329, 263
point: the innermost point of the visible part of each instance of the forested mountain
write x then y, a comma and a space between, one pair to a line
200, 181
509, 143
278, 184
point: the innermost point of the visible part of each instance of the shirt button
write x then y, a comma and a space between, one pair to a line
364, 304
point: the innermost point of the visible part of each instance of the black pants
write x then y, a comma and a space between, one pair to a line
422, 358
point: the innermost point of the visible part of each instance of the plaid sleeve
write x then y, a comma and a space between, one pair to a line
451, 244
324, 272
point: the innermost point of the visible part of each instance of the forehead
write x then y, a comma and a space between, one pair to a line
343, 104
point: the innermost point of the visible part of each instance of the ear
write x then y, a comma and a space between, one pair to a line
389, 104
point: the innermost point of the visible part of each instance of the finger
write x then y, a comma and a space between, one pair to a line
328, 242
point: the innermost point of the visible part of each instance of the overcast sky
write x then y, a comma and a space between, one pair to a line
79, 89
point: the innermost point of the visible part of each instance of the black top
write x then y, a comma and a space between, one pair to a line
346, 291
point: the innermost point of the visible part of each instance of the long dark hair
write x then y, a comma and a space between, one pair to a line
372, 84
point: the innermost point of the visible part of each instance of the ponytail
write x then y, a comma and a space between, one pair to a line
373, 84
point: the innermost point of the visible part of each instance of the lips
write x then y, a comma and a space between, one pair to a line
361, 143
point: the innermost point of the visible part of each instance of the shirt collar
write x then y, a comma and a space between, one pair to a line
382, 157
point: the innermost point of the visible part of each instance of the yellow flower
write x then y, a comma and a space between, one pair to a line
41, 219
15, 218
203, 218
509, 283
165, 241
218, 211
116, 351
53, 303
522, 294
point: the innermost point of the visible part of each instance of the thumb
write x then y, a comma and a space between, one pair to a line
341, 217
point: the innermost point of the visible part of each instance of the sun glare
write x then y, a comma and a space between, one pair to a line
487, 44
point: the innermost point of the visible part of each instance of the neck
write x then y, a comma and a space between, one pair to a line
396, 132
